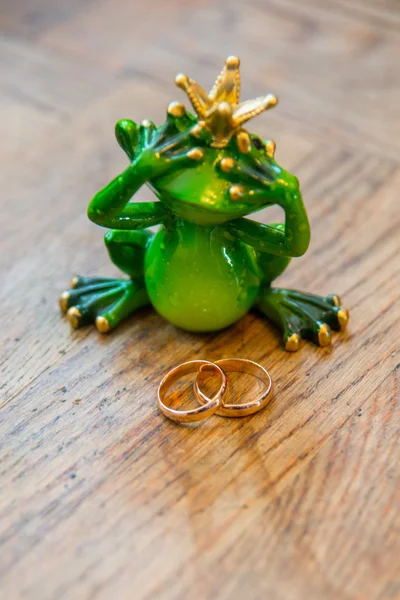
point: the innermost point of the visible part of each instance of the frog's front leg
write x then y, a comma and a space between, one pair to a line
106, 301
297, 314
152, 152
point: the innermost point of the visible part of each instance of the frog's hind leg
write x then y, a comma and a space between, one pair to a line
300, 315
106, 301
297, 314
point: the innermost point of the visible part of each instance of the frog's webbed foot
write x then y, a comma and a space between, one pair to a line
302, 315
102, 301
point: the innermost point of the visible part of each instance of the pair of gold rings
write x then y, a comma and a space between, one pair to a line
216, 404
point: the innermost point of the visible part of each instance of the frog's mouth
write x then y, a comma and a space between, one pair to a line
198, 196
202, 212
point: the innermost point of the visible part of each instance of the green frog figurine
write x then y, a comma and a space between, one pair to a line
207, 265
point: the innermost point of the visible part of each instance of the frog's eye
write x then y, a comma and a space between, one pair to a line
257, 143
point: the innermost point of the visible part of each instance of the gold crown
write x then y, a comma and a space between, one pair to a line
220, 111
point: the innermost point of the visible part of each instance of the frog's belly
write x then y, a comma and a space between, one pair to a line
200, 288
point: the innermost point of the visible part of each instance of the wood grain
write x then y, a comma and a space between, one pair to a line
101, 497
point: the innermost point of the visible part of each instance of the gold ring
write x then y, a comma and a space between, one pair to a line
241, 365
209, 405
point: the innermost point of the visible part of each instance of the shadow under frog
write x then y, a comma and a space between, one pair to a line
207, 265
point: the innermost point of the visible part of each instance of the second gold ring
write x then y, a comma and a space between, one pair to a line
240, 365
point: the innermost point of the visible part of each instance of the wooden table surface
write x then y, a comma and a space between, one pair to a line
103, 498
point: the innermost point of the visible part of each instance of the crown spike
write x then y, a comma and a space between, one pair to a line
227, 86
233, 62
197, 96
251, 108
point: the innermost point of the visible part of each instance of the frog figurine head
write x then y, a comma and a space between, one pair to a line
236, 173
